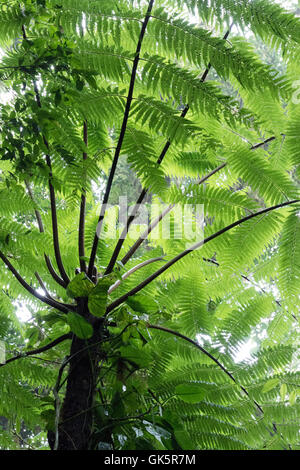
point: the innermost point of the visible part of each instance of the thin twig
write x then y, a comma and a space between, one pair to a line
261, 144
68, 306
22, 441
265, 292
36, 211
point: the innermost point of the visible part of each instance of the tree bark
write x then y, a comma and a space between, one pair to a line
76, 417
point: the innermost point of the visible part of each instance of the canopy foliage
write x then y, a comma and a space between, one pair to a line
166, 102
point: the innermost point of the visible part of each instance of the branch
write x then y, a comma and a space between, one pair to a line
132, 216
194, 247
22, 441
121, 138
39, 350
261, 144
51, 302
37, 213
194, 343
53, 272
53, 206
145, 234
40, 281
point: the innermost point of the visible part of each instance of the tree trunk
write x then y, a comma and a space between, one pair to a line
76, 417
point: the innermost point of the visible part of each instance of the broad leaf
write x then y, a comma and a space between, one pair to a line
97, 299
79, 325
80, 286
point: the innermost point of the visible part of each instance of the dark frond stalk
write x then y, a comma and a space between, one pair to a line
194, 343
52, 303
41, 229
57, 399
39, 350
261, 144
194, 247
53, 206
132, 216
82, 209
55, 225
121, 138
41, 283
53, 273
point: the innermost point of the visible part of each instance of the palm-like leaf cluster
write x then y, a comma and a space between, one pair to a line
200, 119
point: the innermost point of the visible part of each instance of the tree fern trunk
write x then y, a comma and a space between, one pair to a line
76, 417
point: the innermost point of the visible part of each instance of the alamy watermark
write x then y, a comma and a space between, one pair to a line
155, 221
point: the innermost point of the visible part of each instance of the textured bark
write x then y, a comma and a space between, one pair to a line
76, 417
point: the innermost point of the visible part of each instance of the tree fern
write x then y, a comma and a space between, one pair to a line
138, 329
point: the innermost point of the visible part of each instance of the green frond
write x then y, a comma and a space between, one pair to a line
271, 184
267, 19
199, 47
289, 259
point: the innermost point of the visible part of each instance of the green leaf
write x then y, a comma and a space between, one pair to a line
79, 84
84, 258
138, 356
191, 393
49, 417
293, 397
98, 296
269, 385
142, 303
283, 391
80, 286
57, 98
79, 325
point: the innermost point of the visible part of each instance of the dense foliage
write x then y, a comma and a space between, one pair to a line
136, 344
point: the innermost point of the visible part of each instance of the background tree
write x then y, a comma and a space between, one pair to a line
135, 348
